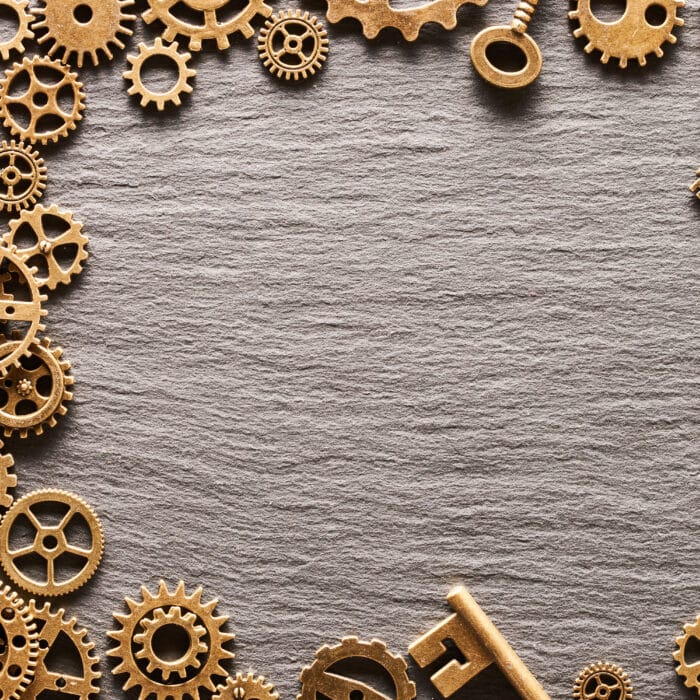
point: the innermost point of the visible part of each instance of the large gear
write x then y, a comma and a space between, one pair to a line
53, 629
248, 687
24, 20
212, 26
689, 671
22, 176
50, 542
8, 479
630, 37
39, 104
319, 680
134, 635
602, 681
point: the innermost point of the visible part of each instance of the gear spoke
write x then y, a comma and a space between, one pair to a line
17, 310
22, 552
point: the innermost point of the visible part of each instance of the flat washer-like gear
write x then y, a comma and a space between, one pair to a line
8, 479
154, 682
689, 671
630, 37
24, 20
248, 687
293, 45
602, 681
22, 176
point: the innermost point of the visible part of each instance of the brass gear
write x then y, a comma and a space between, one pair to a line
317, 679
24, 19
211, 27
630, 37
695, 187
53, 625
8, 480
45, 246
80, 36
50, 543
293, 44
248, 687
688, 671
184, 73
602, 681
40, 99
154, 683
22, 175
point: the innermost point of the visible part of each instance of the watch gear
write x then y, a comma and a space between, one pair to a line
184, 73
688, 670
39, 103
35, 392
22, 176
43, 247
212, 25
602, 681
318, 680
134, 635
248, 687
80, 28
24, 19
632, 36
50, 542
50, 675
8, 479
293, 44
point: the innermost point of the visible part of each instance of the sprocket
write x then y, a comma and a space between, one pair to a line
22, 176
248, 687
8, 479
687, 670
24, 20
602, 681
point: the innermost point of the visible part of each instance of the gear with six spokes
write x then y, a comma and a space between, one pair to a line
602, 681
24, 20
22, 176
688, 670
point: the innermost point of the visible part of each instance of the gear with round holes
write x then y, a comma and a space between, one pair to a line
53, 630
248, 687
318, 680
184, 73
602, 681
22, 176
688, 670
632, 36
134, 636
293, 45
80, 28
211, 25
45, 246
41, 102
51, 542
8, 479
24, 20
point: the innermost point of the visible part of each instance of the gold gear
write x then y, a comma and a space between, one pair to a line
688, 671
602, 681
82, 36
281, 45
184, 73
45, 246
50, 543
40, 99
317, 679
248, 687
8, 480
53, 625
154, 683
22, 175
630, 37
695, 187
211, 27
24, 19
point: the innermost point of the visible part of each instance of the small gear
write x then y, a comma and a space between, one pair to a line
8, 480
44, 247
689, 671
317, 680
293, 44
83, 27
32, 115
602, 681
213, 26
632, 36
248, 687
54, 629
50, 542
184, 73
22, 176
134, 634
24, 20
695, 187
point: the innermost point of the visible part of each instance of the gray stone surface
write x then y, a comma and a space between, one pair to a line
339, 346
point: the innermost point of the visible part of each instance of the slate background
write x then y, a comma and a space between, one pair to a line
341, 345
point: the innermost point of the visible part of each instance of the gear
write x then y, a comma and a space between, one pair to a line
689, 671
184, 73
632, 36
39, 104
51, 542
22, 176
83, 27
19, 645
602, 681
24, 19
248, 687
8, 480
55, 629
212, 26
43, 249
317, 679
695, 187
293, 44
135, 632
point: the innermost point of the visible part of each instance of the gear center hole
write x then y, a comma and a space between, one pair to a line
82, 14
159, 74
40, 99
170, 643
50, 542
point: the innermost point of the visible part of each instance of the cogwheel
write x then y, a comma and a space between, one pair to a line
134, 634
632, 36
248, 687
22, 176
24, 19
602, 681
695, 187
53, 628
8, 480
184, 73
689, 671
293, 44
51, 541
212, 26
83, 27
317, 680
43, 247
